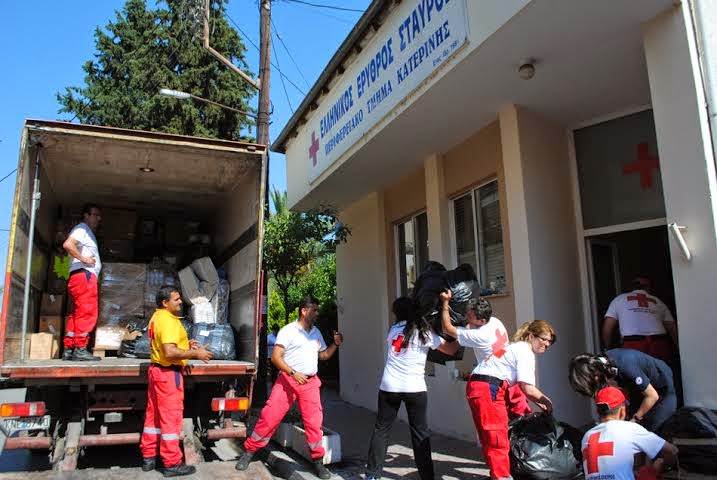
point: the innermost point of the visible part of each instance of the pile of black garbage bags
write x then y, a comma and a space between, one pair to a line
218, 338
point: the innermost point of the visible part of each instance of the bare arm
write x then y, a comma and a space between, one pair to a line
669, 453
72, 248
607, 328
650, 398
277, 358
536, 396
173, 352
446, 323
329, 352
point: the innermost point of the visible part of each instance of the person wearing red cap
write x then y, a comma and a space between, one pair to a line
644, 320
610, 447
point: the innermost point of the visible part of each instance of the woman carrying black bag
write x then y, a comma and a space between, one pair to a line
409, 340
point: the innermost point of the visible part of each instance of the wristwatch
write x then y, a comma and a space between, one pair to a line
292, 372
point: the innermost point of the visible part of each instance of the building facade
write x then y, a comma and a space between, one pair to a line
559, 147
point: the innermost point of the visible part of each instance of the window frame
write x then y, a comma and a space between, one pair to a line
477, 230
397, 247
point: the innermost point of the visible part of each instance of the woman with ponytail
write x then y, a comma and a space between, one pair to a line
408, 342
488, 386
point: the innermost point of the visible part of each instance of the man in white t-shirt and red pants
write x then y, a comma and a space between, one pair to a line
85, 267
298, 348
645, 322
609, 448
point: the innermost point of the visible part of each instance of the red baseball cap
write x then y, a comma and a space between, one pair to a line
610, 396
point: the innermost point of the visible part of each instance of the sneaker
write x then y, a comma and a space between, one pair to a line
321, 470
81, 354
67, 354
178, 470
243, 462
148, 464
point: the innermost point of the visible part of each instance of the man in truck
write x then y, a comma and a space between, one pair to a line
298, 348
85, 266
171, 351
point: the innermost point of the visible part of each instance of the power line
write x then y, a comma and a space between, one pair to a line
6, 176
276, 32
257, 47
323, 5
273, 47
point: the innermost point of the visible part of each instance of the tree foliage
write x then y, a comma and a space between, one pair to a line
144, 50
293, 241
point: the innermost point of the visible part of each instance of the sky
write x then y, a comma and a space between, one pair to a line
44, 44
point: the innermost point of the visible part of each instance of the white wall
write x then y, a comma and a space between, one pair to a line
690, 186
361, 284
545, 261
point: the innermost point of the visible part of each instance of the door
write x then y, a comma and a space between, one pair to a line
604, 271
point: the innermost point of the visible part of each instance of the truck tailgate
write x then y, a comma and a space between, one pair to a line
109, 368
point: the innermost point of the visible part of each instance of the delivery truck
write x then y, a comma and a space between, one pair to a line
166, 201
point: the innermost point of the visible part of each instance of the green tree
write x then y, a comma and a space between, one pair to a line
144, 50
293, 241
318, 279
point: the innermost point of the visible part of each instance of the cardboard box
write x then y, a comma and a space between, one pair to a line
51, 304
109, 337
44, 346
47, 321
12, 347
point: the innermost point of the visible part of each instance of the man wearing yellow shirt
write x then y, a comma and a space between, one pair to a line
171, 351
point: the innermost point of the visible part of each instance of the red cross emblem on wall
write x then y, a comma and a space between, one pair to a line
594, 450
644, 164
642, 300
396, 344
500, 341
313, 148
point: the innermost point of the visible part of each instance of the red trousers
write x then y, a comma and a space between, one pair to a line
163, 420
518, 402
490, 416
284, 393
83, 316
655, 346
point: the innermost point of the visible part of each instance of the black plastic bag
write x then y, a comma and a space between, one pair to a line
435, 279
542, 448
691, 423
137, 348
219, 339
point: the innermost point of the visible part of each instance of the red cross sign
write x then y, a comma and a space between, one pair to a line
642, 300
314, 148
595, 450
644, 164
500, 341
396, 344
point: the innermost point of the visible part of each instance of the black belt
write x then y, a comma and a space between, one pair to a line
632, 338
79, 270
486, 378
176, 368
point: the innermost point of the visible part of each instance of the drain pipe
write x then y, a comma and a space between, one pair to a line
30, 241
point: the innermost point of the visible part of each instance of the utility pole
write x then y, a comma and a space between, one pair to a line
262, 137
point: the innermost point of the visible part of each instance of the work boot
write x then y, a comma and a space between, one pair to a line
81, 354
178, 470
67, 354
244, 460
321, 470
148, 464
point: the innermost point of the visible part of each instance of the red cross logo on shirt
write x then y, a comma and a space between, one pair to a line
500, 341
396, 344
595, 450
643, 165
642, 300
314, 148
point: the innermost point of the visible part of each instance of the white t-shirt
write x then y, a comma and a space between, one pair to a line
609, 449
406, 367
639, 313
270, 341
302, 347
487, 340
515, 363
87, 245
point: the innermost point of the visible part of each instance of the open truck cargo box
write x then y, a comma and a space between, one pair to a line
218, 183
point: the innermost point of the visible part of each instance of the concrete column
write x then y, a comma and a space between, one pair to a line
690, 186
361, 280
437, 211
517, 213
